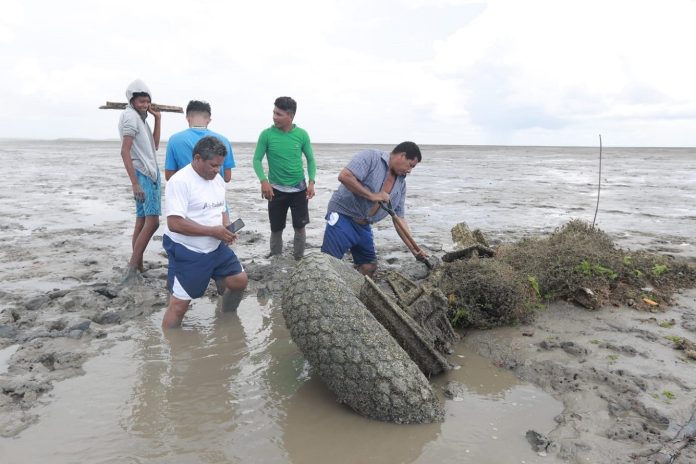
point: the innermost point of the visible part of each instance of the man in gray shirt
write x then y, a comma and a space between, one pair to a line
139, 153
371, 177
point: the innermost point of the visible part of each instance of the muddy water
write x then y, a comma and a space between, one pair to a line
234, 388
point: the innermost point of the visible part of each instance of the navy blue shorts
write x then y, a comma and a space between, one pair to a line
343, 234
190, 272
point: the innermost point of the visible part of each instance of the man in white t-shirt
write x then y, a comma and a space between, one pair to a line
197, 238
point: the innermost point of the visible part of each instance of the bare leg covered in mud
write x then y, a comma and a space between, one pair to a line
177, 308
235, 289
143, 231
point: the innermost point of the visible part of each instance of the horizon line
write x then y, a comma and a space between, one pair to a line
86, 139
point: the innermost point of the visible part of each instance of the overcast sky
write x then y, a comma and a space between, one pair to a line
517, 72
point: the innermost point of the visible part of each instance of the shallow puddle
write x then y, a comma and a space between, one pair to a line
234, 388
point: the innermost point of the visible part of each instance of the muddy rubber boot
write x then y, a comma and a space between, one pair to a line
231, 300
298, 244
276, 243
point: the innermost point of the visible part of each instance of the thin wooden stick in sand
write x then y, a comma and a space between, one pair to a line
599, 184
121, 106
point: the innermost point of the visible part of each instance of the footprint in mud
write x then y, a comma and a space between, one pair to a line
689, 322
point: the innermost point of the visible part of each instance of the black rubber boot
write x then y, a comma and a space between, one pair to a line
276, 243
298, 243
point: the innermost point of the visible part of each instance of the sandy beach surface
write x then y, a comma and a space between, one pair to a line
86, 374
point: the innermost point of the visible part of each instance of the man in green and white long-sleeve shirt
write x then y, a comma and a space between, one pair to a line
285, 186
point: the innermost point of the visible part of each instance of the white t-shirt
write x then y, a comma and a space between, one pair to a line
203, 201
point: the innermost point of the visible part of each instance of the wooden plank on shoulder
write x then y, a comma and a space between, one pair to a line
121, 106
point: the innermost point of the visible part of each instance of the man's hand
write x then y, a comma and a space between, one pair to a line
348, 179
379, 196
232, 239
138, 193
266, 190
154, 110
420, 254
223, 234
310, 190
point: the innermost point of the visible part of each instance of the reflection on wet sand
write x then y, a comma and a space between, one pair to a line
181, 400
485, 423
318, 429
212, 391
489, 414
232, 387
224, 389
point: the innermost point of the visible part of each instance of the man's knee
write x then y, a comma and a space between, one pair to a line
152, 222
237, 281
300, 217
178, 307
175, 312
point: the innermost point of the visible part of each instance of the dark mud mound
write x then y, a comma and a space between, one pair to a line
350, 350
484, 293
578, 263
582, 264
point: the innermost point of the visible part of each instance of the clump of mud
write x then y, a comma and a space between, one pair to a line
577, 262
577, 258
484, 293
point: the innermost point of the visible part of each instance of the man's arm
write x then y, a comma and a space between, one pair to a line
126, 145
311, 167
404, 232
266, 190
156, 131
259, 153
229, 162
170, 163
310, 190
347, 178
184, 226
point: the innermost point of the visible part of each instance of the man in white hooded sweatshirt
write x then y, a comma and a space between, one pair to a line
139, 152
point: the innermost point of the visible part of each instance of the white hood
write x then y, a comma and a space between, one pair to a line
135, 87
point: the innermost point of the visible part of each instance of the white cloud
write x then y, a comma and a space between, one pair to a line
533, 72
12, 16
546, 64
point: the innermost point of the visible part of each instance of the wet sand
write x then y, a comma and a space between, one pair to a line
87, 375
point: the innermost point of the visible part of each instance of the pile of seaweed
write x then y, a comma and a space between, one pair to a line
577, 262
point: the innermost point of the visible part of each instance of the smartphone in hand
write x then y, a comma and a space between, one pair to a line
235, 226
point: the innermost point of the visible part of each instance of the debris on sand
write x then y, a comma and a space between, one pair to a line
577, 263
484, 293
577, 259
